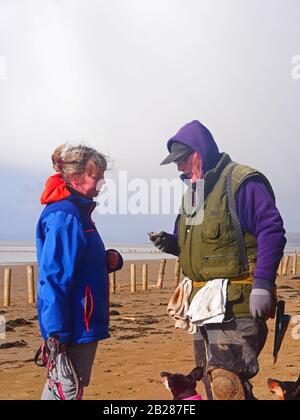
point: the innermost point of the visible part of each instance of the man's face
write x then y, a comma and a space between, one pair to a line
186, 166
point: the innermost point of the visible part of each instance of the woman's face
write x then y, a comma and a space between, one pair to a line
90, 182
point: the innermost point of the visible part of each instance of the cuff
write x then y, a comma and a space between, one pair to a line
260, 283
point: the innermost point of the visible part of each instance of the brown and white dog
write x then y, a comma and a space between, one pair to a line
285, 390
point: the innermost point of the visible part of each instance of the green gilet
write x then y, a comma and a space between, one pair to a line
209, 250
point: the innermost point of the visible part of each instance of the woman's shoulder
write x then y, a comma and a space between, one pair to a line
61, 208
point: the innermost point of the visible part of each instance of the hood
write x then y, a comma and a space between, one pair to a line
55, 190
199, 138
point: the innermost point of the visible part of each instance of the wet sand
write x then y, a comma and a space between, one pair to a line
143, 342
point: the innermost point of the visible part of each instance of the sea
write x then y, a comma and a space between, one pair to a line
23, 252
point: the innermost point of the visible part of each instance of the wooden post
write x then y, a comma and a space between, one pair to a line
145, 277
30, 283
112, 283
177, 272
279, 271
133, 278
285, 265
161, 274
7, 286
294, 271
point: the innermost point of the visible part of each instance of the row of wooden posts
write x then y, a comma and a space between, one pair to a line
282, 271
284, 264
145, 285
113, 280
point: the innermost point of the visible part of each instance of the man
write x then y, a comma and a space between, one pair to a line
240, 239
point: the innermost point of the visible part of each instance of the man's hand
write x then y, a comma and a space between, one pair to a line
261, 304
165, 242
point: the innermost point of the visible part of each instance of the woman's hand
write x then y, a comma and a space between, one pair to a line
114, 260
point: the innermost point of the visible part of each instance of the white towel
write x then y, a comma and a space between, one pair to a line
209, 304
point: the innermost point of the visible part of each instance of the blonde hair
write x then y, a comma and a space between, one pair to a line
75, 159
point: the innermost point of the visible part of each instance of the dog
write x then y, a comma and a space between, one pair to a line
183, 387
285, 390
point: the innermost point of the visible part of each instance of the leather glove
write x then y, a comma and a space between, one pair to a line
114, 260
165, 242
261, 303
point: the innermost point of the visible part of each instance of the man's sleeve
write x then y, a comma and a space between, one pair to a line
259, 216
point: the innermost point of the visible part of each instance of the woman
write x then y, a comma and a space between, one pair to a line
73, 288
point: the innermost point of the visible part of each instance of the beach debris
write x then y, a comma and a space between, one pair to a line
148, 321
10, 329
113, 312
19, 322
116, 305
130, 337
153, 381
20, 343
128, 318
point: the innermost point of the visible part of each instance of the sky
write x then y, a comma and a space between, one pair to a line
124, 75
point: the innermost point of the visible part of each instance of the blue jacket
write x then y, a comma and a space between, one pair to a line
73, 288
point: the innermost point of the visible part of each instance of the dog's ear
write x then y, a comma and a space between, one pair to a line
196, 374
276, 388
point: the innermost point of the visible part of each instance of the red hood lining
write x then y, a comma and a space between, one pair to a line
55, 190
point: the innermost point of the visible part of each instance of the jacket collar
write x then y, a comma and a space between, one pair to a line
56, 190
211, 177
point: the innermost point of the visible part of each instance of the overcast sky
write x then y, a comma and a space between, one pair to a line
125, 75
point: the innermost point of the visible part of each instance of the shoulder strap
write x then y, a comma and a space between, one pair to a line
235, 220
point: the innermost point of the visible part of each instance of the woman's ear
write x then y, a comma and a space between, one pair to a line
74, 180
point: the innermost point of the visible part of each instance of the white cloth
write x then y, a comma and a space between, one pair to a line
209, 304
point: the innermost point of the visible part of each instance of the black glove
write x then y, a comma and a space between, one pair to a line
165, 242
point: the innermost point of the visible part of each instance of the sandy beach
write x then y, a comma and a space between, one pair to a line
143, 342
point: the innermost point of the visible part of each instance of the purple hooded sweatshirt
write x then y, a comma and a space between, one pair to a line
256, 208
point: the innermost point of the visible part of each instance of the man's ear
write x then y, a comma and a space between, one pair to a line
196, 374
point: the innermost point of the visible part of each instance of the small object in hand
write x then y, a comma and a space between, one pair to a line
152, 236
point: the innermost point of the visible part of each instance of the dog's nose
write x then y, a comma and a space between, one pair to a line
165, 374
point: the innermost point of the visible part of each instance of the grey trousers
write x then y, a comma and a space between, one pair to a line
233, 345
83, 356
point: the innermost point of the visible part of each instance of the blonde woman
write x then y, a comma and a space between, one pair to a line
73, 295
